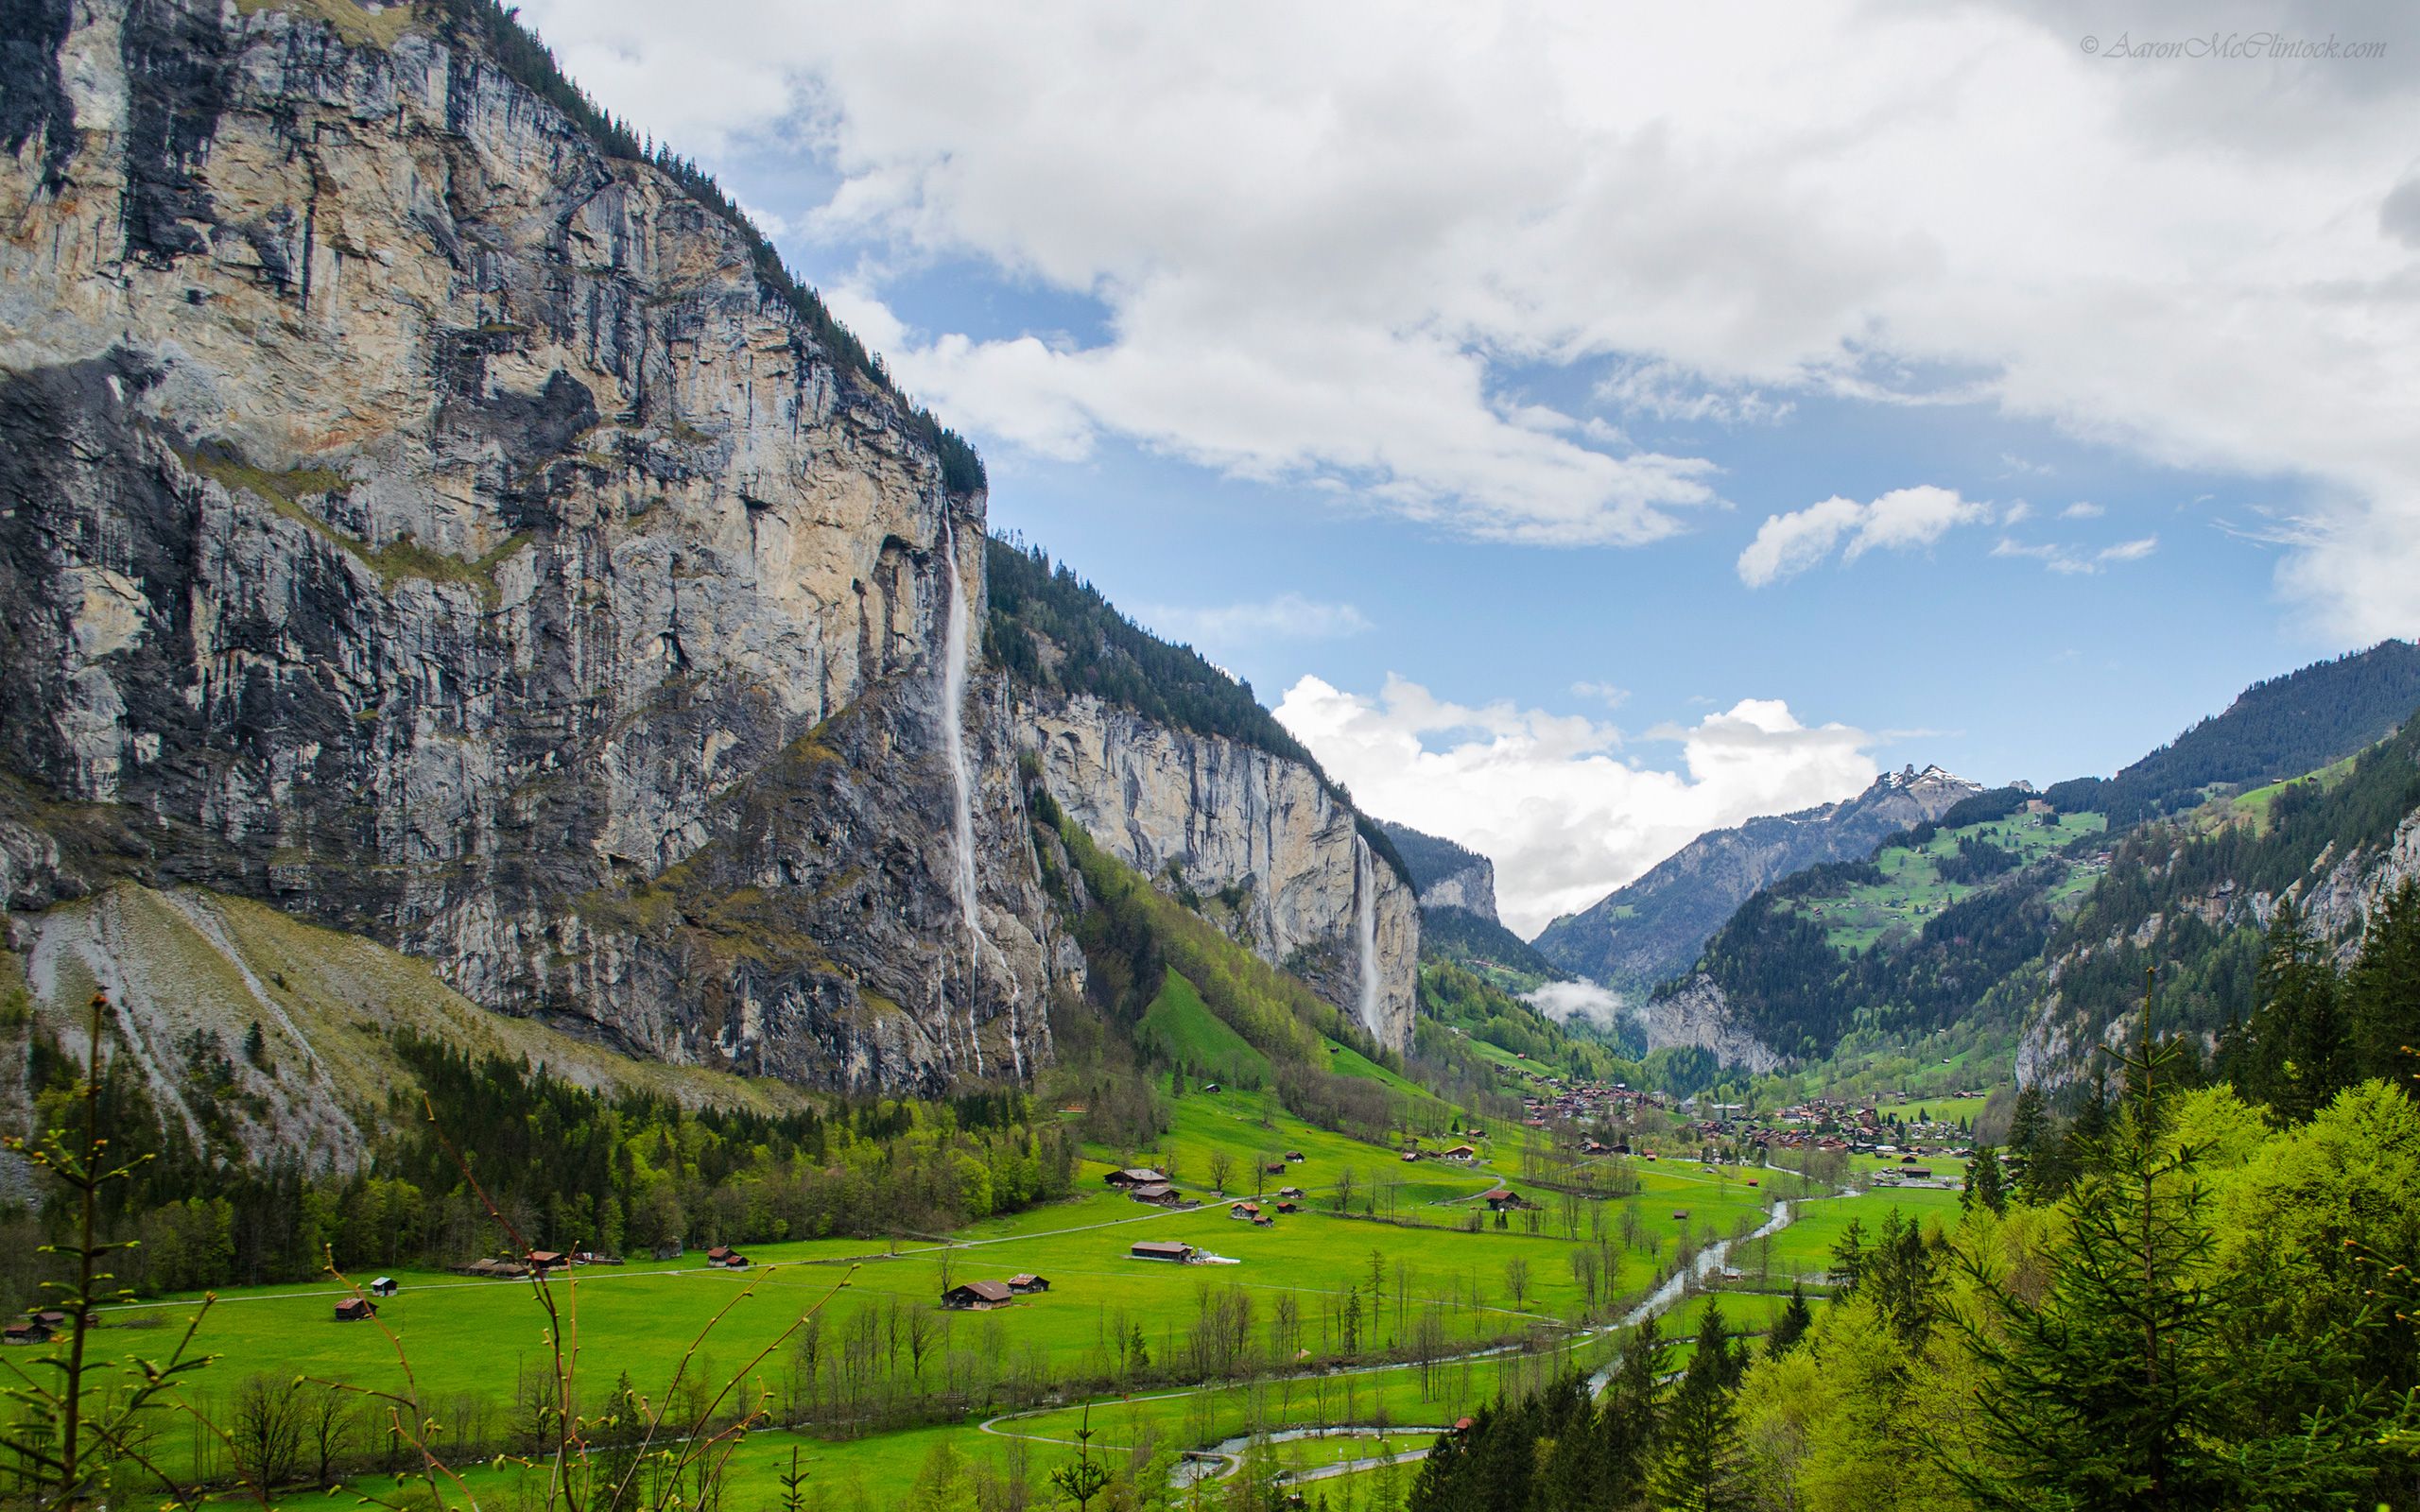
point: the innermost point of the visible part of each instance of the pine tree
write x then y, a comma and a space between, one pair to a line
1792, 1326
1984, 1183
1698, 1463
1631, 1416
2294, 1054
2382, 991
2026, 1128
2137, 1382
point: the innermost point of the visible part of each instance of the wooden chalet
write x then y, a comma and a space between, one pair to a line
1159, 1193
1244, 1210
32, 1330
1168, 1249
977, 1297
548, 1260
1027, 1284
382, 1287
1502, 1199
1136, 1176
356, 1309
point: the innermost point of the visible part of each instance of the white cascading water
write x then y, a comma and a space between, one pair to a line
1365, 929
957, 655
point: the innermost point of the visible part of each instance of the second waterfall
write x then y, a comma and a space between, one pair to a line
957, 655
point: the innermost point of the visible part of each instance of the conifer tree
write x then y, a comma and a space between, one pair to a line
2382, 991
2135, 1382
1984, 1183
1697, 1462
1792, 1326
2293, 1054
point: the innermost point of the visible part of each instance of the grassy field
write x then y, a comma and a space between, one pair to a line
470, 1342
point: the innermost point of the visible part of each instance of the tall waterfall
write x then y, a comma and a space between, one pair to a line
1365, 929
957, 654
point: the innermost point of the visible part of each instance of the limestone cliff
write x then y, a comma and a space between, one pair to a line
1214, 817
420, 518
1698, 1014
2335, 896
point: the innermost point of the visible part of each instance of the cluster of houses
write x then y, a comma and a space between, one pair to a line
981, 1296
1144, 1184
37, 1327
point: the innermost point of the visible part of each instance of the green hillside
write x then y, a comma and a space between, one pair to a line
2275, 730
1180, 1028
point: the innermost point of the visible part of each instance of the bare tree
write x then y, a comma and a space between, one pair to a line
330, 1427
1344, 1190
1517, 1279
1222, 1170
923, 1330
266, 1435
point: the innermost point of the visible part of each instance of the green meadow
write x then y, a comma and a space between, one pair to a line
1431, 1273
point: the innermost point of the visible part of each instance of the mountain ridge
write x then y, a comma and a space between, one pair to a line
1648, 929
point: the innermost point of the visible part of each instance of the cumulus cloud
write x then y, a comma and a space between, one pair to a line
1789, 543
1287, 617
1604, 692
1566, 1001
1548, 798
1327, 242
2081, 509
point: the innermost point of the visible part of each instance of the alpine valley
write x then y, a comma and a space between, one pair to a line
579, 932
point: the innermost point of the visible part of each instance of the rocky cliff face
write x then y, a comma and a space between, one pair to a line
1216, 816
422, 522
2335, 896
1652, 929
1698, 1014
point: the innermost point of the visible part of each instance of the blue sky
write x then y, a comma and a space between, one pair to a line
1433, 369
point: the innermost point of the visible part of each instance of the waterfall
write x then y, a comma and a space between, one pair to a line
957, 654
1365, 929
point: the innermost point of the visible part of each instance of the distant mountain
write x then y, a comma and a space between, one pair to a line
2277, 728
1445, 875
2035, 917
1457, 889
1653, 928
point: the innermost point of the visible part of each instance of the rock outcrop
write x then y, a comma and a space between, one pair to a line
1698, 1013
1213, 815
1448, 875
422, 521
1653, 928
2335, 899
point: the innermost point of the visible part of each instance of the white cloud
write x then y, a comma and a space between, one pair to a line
1545, 796
1566, 1001
1604, 692
2015, 512
1287, 617
2082, 510
2076, 562
1668, 391
1787, 544
1327, 240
